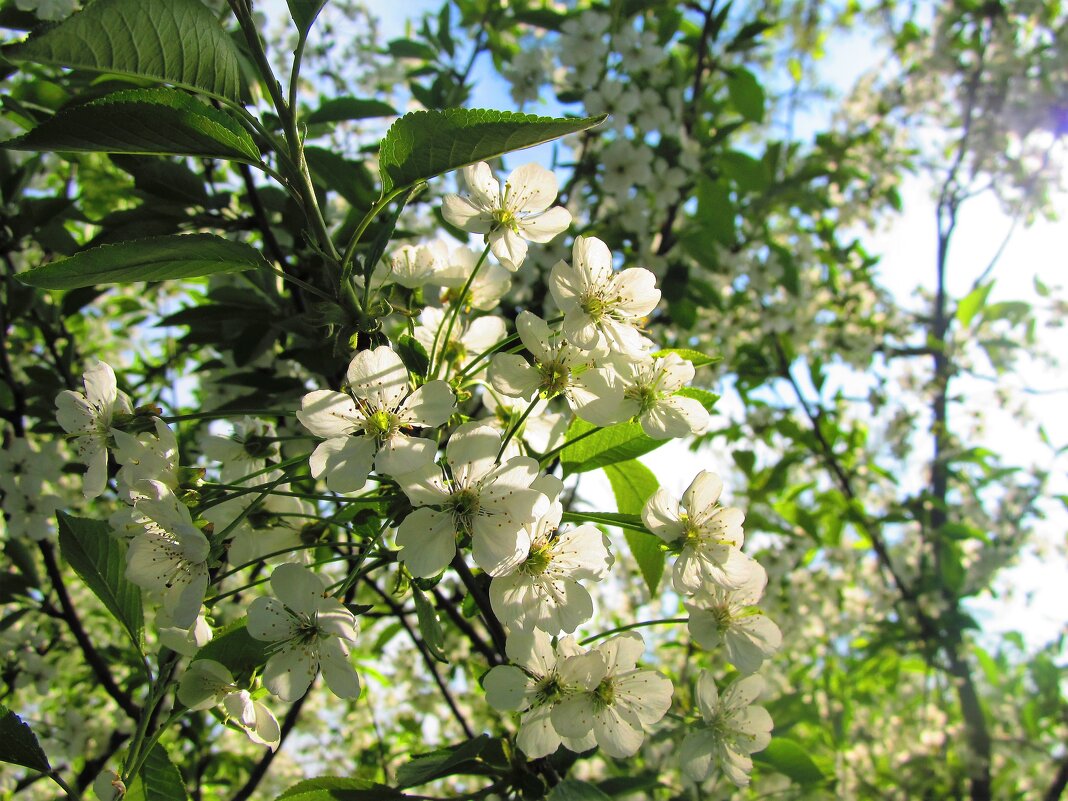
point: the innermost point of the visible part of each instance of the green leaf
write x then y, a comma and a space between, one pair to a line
174, 41
156, 258
333, 788
575, 790
304, 13
448, 761
100, 560
617, 443
350, 108
632, 484
706, 398
695, 357
748, 173
143, 121
158, 779
972, 303
423, 144
236, 649
413, 354
791, 759
18, 743
429, 626
747, 95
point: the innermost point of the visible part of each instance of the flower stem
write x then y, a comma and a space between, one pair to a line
515, 428
548, 457
454, 312
640, 624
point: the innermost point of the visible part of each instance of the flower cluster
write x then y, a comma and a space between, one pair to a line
456, 425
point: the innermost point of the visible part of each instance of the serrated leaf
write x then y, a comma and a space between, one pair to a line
100, 560
331, 788
174, 41
158, 779
423, 144
695, 357
746, 94
350, 108
575, 790
617, 443
18, 743
156, 258
163, 122
236, 649
304, 13
424, 768
790, 758
429, 626
632, 484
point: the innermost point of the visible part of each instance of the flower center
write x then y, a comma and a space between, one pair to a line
555, 378
539, 559
594, 306
380, 424
465, 508
506, 219
605, 692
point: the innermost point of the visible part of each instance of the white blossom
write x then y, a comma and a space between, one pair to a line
369, 427
208, 683
487, 288
602, 306
559, 368
729, 618
490, 502
510, 218
623, 701
539, 678
464, 342
309, 631
88, 420
544, 590
170, 555
708, 536
650, 394
244, 451
735, 729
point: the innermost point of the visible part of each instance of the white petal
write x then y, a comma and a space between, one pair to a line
338, 672
290, 671
465, 215
427, 539
530, 189
511, 375
547, 226
661, 516
537, 737
298, 588
430, 406
269, 621
472, 451
345, 462
326, 413
506, 688
424, 486
702, 493
484, 188
379, 377
401, 454
509, 248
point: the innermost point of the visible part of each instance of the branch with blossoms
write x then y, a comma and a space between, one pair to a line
425, 449
458, 485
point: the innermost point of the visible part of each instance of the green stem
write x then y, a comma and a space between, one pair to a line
548, 457
355, 572
629, 626
178, 418
282, 552
500, 346
454, 312
374, 211
70, 791
301, 283
515, 428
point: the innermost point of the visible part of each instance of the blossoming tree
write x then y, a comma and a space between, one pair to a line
301, 397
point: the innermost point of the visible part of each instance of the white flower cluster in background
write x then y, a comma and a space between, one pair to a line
457, 428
